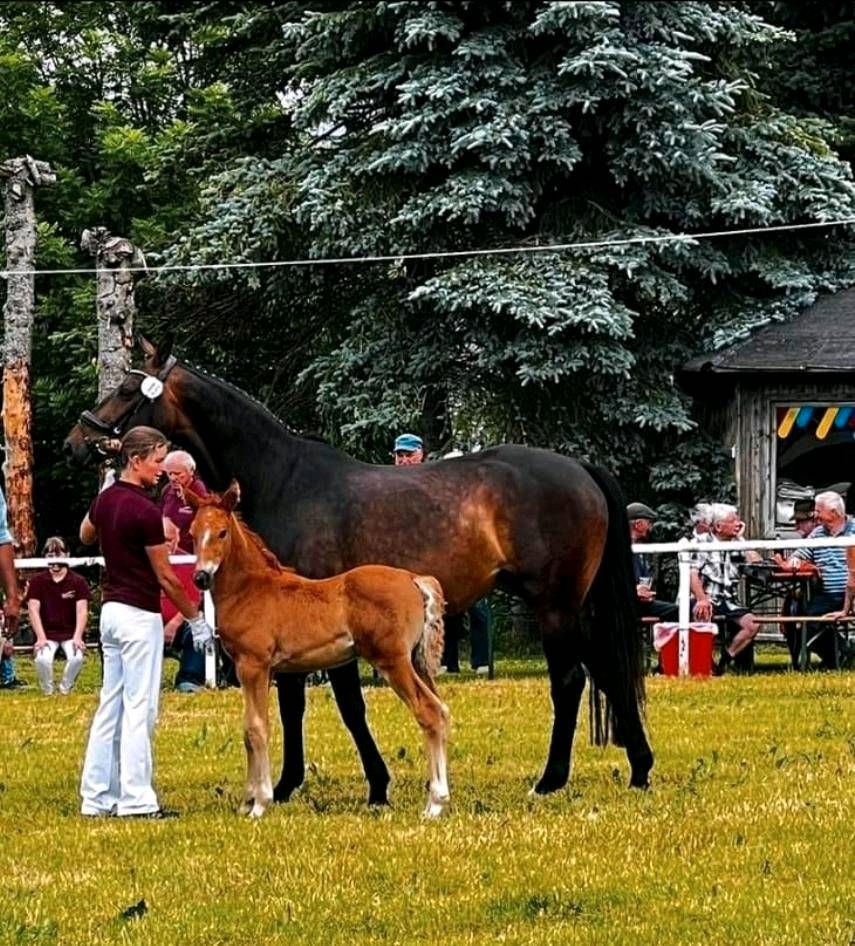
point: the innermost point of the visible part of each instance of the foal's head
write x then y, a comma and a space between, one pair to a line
213, 532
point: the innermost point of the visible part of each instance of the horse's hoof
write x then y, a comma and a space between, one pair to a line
283, 792
435, 807
549, 783
640, 772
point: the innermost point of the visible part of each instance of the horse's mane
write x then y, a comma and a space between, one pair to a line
256, 541
241, 394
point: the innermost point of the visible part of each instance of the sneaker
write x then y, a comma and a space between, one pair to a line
161, 814
441, 671
187, 686
482, 671
98, 813
13, 684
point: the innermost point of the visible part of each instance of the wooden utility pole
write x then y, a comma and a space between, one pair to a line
118, 262
22, 176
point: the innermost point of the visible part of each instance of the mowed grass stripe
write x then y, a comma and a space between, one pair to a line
747, 835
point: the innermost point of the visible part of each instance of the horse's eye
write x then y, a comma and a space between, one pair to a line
224, 533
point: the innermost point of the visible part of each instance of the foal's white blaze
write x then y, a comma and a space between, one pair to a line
201, 565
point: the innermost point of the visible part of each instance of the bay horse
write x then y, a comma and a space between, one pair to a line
545, 527
271, 619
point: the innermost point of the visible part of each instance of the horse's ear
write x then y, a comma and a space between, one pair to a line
231, 497
147, 348
156, 354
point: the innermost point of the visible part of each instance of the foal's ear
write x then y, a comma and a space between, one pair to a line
231, 497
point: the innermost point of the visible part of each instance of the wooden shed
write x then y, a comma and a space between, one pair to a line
783, 401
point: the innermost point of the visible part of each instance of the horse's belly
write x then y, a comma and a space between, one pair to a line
319, 655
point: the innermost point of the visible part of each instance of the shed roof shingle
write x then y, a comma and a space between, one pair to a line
820, 339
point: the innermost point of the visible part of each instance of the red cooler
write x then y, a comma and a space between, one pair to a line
666, 640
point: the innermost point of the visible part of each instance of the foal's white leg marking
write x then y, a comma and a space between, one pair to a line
438, 793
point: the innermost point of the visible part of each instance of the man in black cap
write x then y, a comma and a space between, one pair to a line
641, 519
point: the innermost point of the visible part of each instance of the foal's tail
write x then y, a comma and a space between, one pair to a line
427, 653
615, 647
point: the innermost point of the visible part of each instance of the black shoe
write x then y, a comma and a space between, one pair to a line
14, 684
162, 814
720, 668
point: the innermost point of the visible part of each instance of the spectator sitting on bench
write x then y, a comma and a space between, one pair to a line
715, 584
701, 519
641, 519
58, 604
836, 568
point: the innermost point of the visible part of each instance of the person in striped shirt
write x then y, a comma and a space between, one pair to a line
837, 571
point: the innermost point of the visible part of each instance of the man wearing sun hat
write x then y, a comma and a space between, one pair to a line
409, 450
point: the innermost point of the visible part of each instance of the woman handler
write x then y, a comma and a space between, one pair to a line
117, 769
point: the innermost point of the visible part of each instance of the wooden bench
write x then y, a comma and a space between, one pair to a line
800, 621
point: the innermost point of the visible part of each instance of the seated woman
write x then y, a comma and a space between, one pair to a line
58, 604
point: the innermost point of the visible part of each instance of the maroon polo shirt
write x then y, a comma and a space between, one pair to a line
128, 521
58, 602
181, 513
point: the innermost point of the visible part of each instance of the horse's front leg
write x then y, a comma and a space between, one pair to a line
351, 705
255, 680
566, 685
291, 690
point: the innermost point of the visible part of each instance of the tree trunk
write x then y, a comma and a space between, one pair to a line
22, 176
119, 263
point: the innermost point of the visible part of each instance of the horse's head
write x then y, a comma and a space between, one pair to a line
213, 531
143, 397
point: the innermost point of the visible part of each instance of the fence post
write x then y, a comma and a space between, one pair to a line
118, 263
22, 176
684, 559
211, 649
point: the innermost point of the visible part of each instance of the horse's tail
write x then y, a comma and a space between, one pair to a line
615, 649
427, 653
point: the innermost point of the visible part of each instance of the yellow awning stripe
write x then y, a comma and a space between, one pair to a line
825, 424
786, 424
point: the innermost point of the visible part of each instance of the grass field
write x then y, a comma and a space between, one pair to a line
746, 837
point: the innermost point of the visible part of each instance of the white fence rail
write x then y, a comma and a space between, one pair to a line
31, 564
684, 550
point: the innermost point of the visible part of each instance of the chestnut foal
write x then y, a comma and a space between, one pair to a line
271, 621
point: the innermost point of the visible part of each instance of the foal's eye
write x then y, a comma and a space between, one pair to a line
224, 533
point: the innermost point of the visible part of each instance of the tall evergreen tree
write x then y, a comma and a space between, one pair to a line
458, 126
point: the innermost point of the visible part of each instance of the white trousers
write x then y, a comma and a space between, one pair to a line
44, 665
118, 768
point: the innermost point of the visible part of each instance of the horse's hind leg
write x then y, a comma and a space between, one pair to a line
566, 684
254, 681
291, 691
629, 728
432, 716
351, 705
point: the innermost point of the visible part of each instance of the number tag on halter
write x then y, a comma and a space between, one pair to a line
151, 387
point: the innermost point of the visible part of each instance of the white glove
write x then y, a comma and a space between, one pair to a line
202, 632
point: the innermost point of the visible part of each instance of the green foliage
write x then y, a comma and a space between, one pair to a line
250, 132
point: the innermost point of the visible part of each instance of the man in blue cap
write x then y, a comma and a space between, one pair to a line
409, 450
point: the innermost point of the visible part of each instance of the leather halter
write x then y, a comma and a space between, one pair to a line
117, 428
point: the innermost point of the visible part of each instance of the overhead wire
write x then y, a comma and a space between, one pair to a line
523, 248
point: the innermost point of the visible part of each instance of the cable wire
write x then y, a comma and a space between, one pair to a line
439, 254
